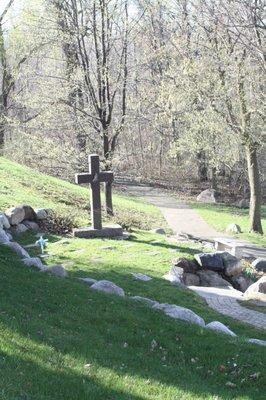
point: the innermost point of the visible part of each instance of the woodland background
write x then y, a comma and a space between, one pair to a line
166, 91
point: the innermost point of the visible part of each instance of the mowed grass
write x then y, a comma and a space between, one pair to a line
61, 340
220, 216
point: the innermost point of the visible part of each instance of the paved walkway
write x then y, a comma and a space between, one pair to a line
182, 219
225, 301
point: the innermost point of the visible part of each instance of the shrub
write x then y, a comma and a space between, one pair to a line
58, 223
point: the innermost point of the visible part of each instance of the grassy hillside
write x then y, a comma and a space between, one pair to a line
220, 215
19, 184
60, 340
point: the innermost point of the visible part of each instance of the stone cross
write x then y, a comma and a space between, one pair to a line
95, 177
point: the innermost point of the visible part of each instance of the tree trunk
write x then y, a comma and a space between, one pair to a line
255, 189
108, 186
214, 178
202, 166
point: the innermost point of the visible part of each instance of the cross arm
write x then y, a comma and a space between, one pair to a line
83, 178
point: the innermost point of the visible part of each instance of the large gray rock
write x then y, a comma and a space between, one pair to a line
211, 278
219, 327
241, 282
149, 302
212, 261
3, 236
258, 287
21, 228
57, 270
243, 203
31, 225
30, 214
175, 275
257, 341
108, 287
191, 279
15, 215
41, 213
182, 313
160, 231
88, 281
14, 246
233, 229
189, 266
233, 266
4, 223
259, 264
141, 277
207, 196
34, 262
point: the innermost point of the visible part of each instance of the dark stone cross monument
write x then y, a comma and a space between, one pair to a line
94, 178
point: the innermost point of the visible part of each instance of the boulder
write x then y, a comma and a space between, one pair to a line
256, 288
159, 231
219, 327
187, 265
207, 196
175, 275
243, 203
3, 236
191, 279
257, 341
31, 225
211, 278
233, 266
241, 282
57, 270
33, 262
259, 264
4, 223
233, 229
10, 237
30, 214
20, 228
212, 261
141, 277
15, 215
41, 213
149, 302
177, 312
18, 249
108, 287
88, 281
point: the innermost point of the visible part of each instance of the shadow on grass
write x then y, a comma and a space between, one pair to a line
158, 245
76, 385
72, 321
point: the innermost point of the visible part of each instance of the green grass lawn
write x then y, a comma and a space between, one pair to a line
60, 340
220, 215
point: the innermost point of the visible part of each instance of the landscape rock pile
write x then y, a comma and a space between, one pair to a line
218, 269
19, 219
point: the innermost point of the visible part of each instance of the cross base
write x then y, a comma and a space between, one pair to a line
107, 231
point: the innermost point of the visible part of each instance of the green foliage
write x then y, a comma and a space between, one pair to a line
58, 223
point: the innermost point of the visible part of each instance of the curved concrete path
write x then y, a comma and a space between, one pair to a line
180, 219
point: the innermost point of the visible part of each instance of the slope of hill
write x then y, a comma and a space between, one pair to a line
61, 340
